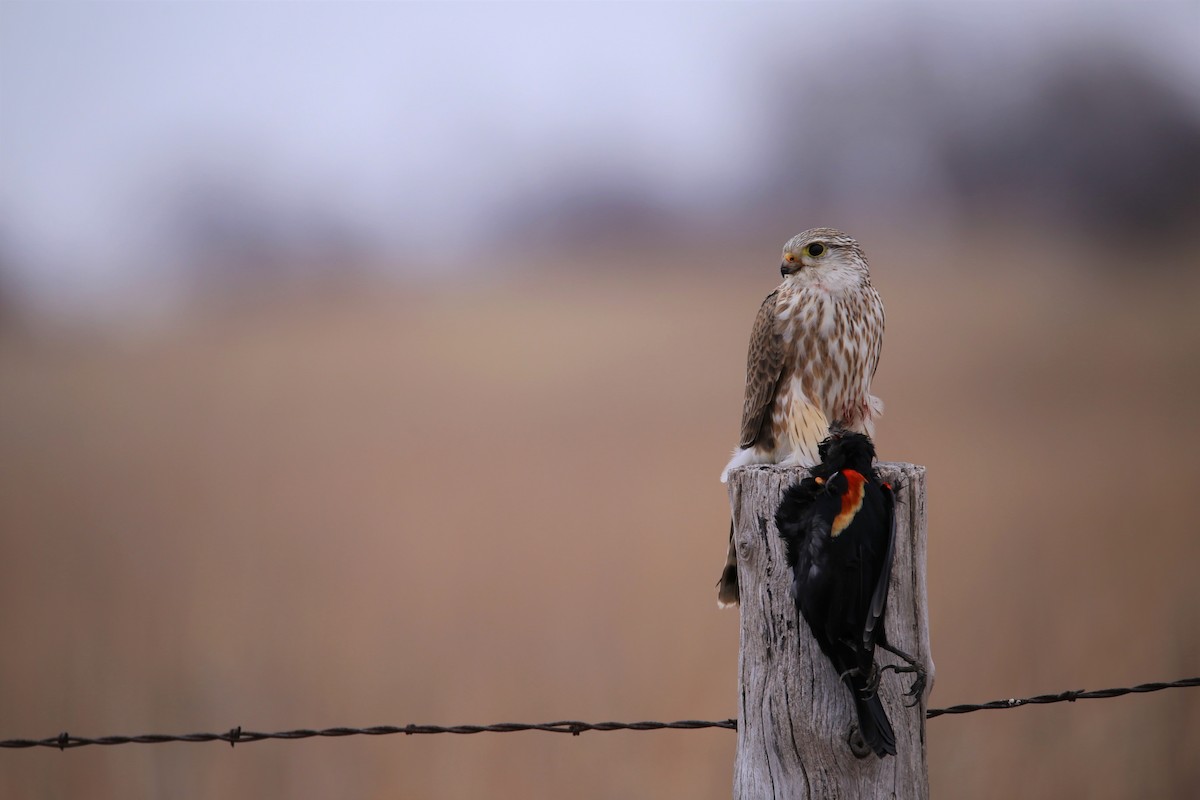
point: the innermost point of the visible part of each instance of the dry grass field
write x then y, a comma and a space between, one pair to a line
498, 501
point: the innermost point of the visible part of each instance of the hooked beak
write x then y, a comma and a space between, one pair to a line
789, 268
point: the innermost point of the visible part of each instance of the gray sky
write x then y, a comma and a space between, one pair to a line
419, 121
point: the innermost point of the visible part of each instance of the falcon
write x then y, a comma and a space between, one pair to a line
813, 352
839, 530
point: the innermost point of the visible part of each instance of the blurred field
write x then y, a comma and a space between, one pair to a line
498, 501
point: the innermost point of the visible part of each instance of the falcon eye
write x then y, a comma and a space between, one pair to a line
815, 249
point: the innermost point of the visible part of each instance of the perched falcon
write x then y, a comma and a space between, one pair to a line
838, 527
813, 352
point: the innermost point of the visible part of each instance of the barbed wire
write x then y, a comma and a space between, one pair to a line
1063, 697
237, 736
234, 736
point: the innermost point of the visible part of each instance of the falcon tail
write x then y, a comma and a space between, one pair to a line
728, 594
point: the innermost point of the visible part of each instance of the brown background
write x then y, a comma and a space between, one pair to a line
488, 501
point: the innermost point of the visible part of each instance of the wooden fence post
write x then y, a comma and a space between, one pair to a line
794, 715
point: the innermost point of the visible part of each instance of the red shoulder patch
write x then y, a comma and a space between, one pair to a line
852, 501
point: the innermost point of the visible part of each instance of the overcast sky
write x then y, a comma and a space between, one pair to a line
418, 121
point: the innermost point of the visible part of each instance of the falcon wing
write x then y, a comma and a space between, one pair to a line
764, 364
872, 630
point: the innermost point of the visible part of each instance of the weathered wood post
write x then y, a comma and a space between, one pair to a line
795, 716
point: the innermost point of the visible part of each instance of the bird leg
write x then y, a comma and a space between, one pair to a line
918, 685
870, 684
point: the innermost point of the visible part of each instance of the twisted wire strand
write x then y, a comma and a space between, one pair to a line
234, 736
1069, 696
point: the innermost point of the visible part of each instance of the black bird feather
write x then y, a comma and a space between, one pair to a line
838, 526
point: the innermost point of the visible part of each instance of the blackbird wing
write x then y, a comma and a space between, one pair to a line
873, 628
804, 520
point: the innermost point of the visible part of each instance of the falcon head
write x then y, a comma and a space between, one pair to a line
823, 255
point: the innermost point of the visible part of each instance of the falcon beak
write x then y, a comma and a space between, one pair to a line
789, 268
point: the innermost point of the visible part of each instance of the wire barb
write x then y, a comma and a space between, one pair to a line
65, 741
